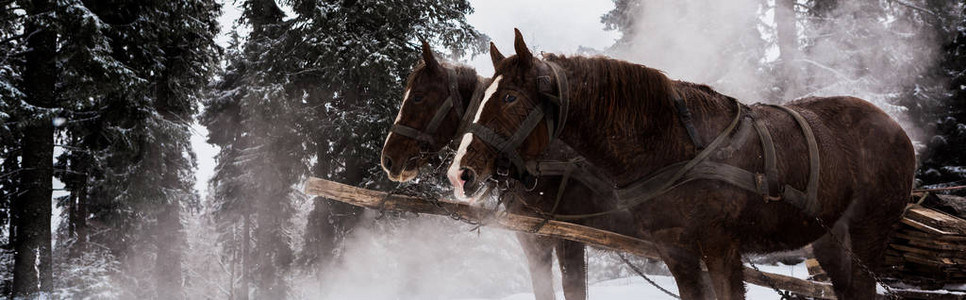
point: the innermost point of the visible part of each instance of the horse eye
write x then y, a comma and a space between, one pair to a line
509, 98
417, 98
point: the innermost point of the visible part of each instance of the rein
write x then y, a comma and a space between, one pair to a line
425, 136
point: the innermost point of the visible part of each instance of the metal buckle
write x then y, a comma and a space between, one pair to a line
543, 83
531, 188
504, 172
761, 183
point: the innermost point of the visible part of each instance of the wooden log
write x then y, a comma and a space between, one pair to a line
936, 219
563, 230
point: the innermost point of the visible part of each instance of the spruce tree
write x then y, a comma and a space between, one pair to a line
260, 156
944, 112
31, 211
361, 53
335, 72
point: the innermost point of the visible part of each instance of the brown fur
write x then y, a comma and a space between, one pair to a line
622, 120
428, 80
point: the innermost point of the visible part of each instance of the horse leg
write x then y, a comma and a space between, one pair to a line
685, 266
724, 265
573, 269
831, 254
869, 239
539, 252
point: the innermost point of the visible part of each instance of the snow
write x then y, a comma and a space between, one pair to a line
636, 288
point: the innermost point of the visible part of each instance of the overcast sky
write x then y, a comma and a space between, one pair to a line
559, 26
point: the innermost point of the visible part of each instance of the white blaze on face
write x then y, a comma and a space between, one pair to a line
486, 97
454, 169
398, 116
453, 173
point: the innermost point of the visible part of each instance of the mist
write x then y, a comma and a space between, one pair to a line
857, 51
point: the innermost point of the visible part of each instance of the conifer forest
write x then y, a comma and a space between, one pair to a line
158, 149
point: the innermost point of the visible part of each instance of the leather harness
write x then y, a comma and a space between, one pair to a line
766, 184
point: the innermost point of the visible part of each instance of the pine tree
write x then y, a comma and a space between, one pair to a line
132, 76
361, 53
260, 156
334, 71
11, 30
622, 19
944, 111
31, 211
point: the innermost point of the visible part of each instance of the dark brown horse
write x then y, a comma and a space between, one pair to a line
624, 119
430, 94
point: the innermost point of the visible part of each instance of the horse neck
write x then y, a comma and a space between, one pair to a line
468, 82
469, 85
628, 152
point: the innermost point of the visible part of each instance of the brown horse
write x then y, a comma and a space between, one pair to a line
631, 121
430, 95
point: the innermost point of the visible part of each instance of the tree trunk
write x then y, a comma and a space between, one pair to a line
268, 251
246, 258
77, 217
33, 207
168, 261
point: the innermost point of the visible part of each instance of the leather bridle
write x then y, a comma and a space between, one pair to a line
425, 136
553, 112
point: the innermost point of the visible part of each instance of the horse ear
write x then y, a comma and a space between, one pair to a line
495, 54
428, 57
521, 47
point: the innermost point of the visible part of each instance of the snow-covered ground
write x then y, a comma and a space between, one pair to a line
636, 288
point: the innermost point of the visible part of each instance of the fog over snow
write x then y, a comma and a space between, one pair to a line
433, 257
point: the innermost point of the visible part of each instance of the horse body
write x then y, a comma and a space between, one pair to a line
623, 121
403, 156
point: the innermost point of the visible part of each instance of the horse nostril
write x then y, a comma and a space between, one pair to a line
387, 162
467, 174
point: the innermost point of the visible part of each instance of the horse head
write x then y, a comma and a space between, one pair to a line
513, 125
428, 117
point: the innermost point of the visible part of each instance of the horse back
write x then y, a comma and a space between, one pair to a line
866, 157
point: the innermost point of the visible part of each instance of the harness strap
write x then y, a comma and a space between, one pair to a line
561, 100
698, 168
809, 201
579, 171
664, 179
634, 195
498, 142
474, 105
425, 136
412, 133
685, 115
768, 186
455, 99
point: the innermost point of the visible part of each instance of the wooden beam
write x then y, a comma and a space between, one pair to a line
556, 229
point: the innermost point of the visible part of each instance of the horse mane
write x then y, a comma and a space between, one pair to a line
631, 96
624, 94
463, 72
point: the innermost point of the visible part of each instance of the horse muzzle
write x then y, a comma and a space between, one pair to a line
400, 170
466, 184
